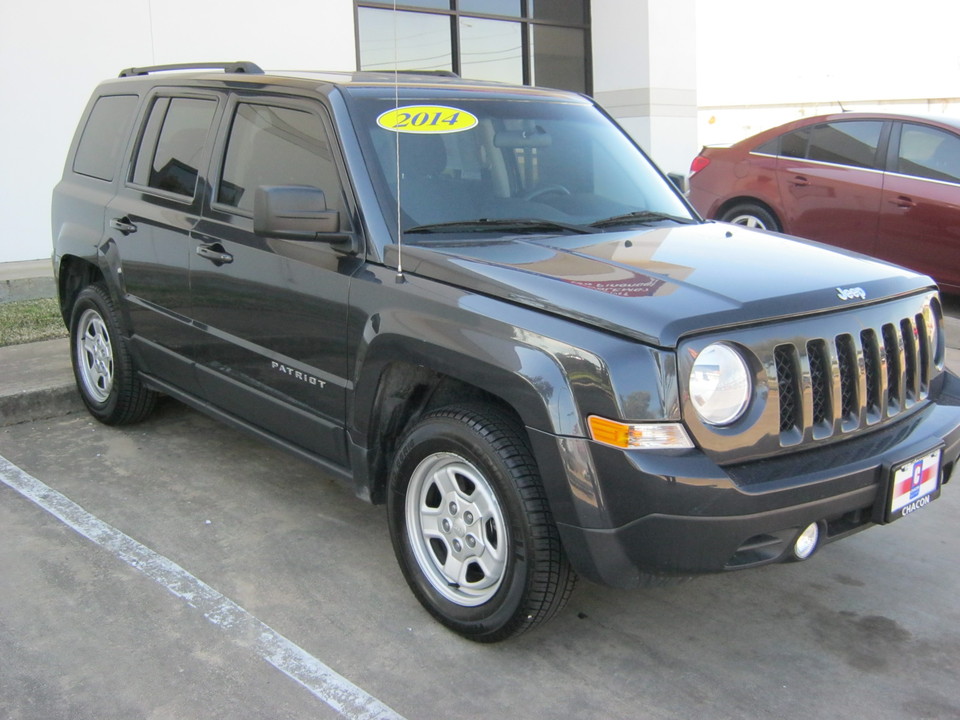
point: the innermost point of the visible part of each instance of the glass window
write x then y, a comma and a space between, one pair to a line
795, 144
929, 153
492, 7
852, 143
770, 147
540, 41
562, 162
172, 144
276, 146
433, 4
559, 58
104, 135
560, 11
491, 50
421, 41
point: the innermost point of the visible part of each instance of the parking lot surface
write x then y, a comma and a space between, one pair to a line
870, 627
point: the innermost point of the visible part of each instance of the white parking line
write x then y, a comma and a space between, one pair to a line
243, 628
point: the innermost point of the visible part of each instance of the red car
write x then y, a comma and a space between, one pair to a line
881, 184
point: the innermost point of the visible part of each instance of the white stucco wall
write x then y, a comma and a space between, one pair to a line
52, 54
645, 74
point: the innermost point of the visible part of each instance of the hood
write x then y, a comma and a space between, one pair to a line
660, 284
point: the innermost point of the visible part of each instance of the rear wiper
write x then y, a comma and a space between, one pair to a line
508, 224
639, 217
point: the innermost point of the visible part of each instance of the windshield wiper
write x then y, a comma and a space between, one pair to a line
509, 224
640, 217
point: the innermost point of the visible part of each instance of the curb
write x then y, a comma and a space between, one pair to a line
37, 288
40, 404
37, 382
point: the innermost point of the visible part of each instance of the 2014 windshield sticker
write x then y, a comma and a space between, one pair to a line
427, 119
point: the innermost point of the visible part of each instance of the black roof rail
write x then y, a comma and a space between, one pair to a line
241, 66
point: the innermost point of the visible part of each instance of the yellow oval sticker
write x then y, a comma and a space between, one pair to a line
427, 119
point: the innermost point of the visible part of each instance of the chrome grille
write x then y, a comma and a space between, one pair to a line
849, 374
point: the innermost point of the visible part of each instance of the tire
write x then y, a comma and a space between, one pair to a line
752, 216
104, 370
471, 527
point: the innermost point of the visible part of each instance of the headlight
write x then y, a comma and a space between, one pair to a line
719, 384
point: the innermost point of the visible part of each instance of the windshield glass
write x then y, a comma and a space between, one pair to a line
478, 159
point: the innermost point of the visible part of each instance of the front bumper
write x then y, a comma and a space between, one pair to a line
626, 516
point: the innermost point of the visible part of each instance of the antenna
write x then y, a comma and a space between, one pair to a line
396, 105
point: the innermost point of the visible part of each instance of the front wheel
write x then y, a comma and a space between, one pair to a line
471, 527
104, 370
752, 216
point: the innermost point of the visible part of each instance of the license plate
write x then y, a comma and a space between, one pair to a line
915, 484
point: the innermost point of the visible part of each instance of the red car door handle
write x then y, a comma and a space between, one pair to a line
902, 201
800, 181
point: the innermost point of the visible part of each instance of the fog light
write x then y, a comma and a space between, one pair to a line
807, 542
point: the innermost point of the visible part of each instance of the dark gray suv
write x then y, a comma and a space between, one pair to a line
483, 306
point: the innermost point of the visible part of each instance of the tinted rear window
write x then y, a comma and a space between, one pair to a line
173, 143
846, 143
104, 135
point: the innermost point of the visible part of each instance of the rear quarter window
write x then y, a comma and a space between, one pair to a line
104, 136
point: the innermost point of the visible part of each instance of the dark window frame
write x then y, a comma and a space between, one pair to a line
526, 21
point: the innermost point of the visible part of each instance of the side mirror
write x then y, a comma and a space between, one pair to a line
293, 212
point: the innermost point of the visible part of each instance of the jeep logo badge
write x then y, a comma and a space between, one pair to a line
854, 293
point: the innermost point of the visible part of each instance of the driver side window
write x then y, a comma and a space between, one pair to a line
272, 145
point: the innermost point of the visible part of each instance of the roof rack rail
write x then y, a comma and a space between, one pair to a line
241, 66
434, 73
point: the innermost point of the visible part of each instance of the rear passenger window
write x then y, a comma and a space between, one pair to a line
795, 144
929, 153
103, 136
172, 145
272, 145
846, 143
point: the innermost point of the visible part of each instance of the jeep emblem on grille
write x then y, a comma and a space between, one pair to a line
854, 293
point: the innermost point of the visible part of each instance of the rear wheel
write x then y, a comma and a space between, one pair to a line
104, 370
752, 216
471, 526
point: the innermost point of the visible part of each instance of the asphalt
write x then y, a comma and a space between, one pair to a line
36, 380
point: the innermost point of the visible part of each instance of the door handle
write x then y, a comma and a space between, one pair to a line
123, 225
215, 253
800, 181
902, 201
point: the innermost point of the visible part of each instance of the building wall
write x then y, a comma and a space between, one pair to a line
645, 73
52, 55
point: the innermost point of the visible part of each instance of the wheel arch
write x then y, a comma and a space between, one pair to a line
402, 381
73, 275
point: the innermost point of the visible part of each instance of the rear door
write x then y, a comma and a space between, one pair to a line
274, 311
149, 223
830, 182
920, 213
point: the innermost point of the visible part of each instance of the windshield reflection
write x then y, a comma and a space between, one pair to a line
542, 165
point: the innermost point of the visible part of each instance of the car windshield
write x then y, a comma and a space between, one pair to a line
546, 166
